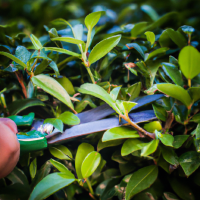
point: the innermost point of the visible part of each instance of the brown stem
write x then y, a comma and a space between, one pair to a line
21, 82
169, 121
138, 128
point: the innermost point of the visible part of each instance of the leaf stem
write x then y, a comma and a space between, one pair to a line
91, 75
138, 128
89, 186
21, 82
189, 82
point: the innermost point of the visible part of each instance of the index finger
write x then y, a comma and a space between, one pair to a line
10, 123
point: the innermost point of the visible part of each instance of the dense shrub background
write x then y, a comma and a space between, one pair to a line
176, 178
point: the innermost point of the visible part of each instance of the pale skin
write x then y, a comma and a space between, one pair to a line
9, 146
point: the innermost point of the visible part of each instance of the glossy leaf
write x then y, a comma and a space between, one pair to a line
188, 60
69, 118
37, 44
98, 92
166, 139
173, 73
170, 156
60, 167
136, 47
103, 47
83, 150
189, 161
92, 19
61, 152
17, 60
176, 92
60, 50
54, 88
150, 37
19, 105
194, 93
128, 105
134, 90
179, 140
140, 180
132, 145
114, 93
57, 123
177, 37
160, 112
50, 184
152, 126
138, 29
150, 148
119, 133
33, 168
156, 53
101, 145
90, 164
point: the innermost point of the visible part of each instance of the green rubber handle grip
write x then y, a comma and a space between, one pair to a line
33, 144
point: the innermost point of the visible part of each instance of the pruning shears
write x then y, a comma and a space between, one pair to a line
90, 122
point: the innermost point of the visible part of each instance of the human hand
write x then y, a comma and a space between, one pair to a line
9, 146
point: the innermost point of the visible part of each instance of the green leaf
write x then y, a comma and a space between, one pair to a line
50, 184
83, 150
57, 123
101, 145
103, 47
61, 167
150, 11
173, 73
194, 93
114, 93
189, 59
33, 168
150, 148
55, 68
166, 139
22, 54
60, 50
69, 118
160, 112
141, 180
19, 105
61, 152
177, 37
176, 92
25, 120
152, 126
170, 196
92, 19
156, 53
69, 40
99, 92
181, 188
90, 164
54, 34
18, 61
67, 84
52, 87
189, 161
138, 29
119, 133
30, 134
132, 145
196, 118
150, 37
36, 42
179, 140
134, 90
128, 105
137, 48
170, 156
